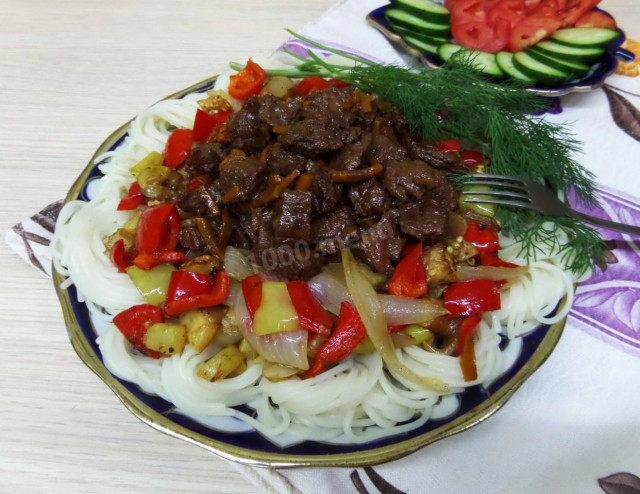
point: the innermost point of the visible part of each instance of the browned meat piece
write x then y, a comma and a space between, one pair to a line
326, 194
333, 102
421, 150
380, 244
352, 156
292, 218
282, 161
284, 260
369, 198
408, 178
247, 174
202, 201
414, 177
205, 158
425, 220
385, 146
279, 111
246, 130
335, 230
190, 238
315, 136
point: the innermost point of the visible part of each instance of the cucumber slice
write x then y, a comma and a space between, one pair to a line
483, 61
432, 40
425, 9
566, 52
424, 46
416, 24
585, 36
539, 71
576, 67
504, 59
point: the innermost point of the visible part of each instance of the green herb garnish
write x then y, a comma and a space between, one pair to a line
497, 120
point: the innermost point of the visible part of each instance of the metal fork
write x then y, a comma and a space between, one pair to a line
519, 193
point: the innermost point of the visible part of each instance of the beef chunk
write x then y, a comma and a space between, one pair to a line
315, 136
426, 221
422, 150
381, 243
202, 201
335, 230
204, 158
247, 174
352, 156
369, 198
326, 194
385, 146
190, 238
279, 111
331, 103
292, 218
246, 130
282, 161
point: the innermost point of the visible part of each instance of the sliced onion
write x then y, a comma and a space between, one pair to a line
370, 310
405, 310
330, 291
495, 273
287, 347
457, 225
237, 264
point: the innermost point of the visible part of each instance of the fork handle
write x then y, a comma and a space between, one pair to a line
611, 225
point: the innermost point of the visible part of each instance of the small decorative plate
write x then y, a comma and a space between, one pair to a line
525, 355
602, 69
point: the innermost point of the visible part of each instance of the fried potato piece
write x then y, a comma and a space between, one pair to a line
202, 325
221, 365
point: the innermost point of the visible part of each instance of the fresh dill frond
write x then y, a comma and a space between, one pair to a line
495, 119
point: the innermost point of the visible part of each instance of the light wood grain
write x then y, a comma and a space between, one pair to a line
70, 73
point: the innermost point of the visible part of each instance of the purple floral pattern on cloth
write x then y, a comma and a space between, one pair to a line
607, 305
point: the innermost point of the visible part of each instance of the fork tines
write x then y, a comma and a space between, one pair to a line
507, 190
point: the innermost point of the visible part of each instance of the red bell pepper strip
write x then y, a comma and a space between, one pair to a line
306, 85
408, 279
348, 332
397, 328
469, 297
252, 291
133, 199
189, 290
157, 236
134, 322
158, 228
449, 146
484, 239
248, 81
492, 259
178, 147
311, 315
473, 158
466, 347
338, 83
206, 122
120, 258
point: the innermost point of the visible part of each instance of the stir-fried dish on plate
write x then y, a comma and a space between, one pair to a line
294, 241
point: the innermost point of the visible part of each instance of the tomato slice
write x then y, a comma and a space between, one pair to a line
481, 36
548, 8
509, 11
463, 11
248, 81
575, 9
596, 18
529, 5
531, 30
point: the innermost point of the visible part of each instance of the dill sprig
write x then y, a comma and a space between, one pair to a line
496, 119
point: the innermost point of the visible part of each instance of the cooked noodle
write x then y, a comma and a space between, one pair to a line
356, 401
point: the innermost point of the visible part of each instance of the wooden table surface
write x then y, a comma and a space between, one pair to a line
70, 73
